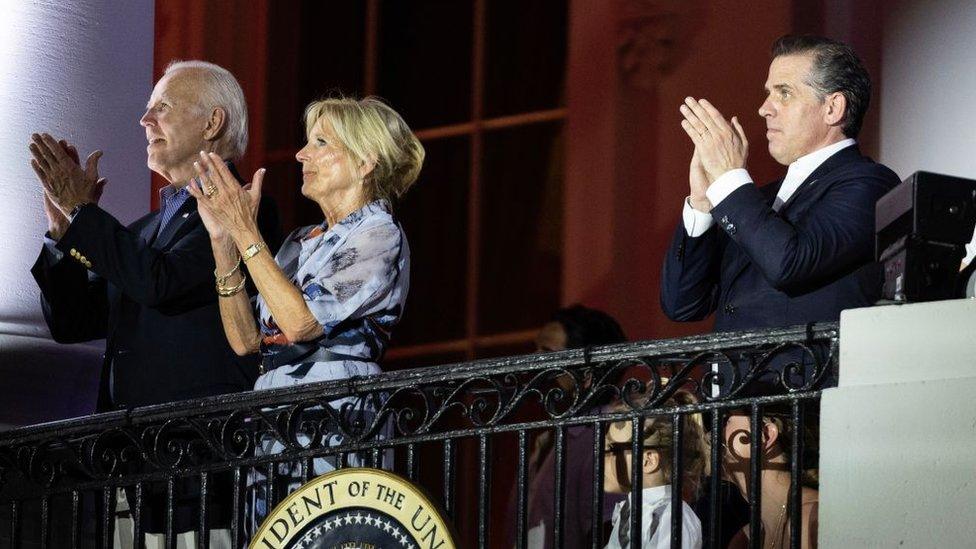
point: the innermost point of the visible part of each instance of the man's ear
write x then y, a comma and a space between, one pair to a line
652, 461
835, 106
216, 123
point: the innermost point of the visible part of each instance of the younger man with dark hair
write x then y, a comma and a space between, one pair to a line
802, 248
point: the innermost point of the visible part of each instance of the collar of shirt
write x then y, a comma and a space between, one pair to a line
652, 501
171, 193
802, 167
655, 495
348, 222
323, 235
652, 498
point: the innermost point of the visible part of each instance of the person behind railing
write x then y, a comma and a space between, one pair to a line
777, 433
657, 474
330, 299
573, 327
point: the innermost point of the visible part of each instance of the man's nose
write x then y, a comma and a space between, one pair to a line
765, 109
147, 119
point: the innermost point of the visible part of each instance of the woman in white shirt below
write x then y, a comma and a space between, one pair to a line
655, 463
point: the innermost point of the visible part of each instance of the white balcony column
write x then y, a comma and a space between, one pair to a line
79, 70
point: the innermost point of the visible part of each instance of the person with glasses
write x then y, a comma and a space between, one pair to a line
656, 474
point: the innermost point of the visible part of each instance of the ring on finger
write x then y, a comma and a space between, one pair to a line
210, 190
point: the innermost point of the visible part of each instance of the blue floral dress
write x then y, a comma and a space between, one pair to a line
354, 277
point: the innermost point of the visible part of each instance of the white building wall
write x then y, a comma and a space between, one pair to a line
928, 87
82, 70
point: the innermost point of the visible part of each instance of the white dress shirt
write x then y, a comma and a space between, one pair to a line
696, 222
656, 522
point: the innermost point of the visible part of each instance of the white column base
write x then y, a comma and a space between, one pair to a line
898, 436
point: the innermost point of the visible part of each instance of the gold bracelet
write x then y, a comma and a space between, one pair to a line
224, 291
252, 251
221, 280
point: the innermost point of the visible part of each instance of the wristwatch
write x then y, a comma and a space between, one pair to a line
252, 251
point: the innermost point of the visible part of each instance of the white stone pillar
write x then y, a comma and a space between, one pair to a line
81, 70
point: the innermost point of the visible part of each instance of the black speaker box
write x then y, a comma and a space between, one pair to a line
922, 227
929, 206
918, 270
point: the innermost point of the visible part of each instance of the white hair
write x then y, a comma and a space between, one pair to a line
222, 90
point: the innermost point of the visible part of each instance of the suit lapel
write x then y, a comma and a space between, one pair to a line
186, 211
805, 195
148, 231
808, 191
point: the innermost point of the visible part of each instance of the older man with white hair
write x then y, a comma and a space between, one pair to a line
148, 288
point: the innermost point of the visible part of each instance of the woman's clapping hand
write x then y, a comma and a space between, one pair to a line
226, 208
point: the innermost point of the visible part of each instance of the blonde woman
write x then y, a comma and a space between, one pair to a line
329, 300
655, 464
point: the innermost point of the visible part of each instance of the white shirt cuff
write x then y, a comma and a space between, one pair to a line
696, 222
726, 184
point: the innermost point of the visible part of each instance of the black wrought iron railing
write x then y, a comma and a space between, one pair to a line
465, 432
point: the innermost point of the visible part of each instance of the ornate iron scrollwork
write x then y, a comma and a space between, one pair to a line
420, 405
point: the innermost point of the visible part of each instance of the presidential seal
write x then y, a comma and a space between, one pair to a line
355, 508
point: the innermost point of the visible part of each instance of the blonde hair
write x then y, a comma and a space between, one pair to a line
659, 433
373, 132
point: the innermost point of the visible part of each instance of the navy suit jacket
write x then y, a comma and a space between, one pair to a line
151, 294
759, 268
152, 297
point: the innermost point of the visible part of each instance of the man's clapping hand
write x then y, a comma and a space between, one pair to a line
719, 145
66, 184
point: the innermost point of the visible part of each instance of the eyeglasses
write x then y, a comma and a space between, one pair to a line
617, 448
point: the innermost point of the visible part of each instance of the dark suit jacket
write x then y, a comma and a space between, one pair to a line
806, 263
153, 298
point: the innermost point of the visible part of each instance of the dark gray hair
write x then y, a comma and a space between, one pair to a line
222, 90
836, 68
